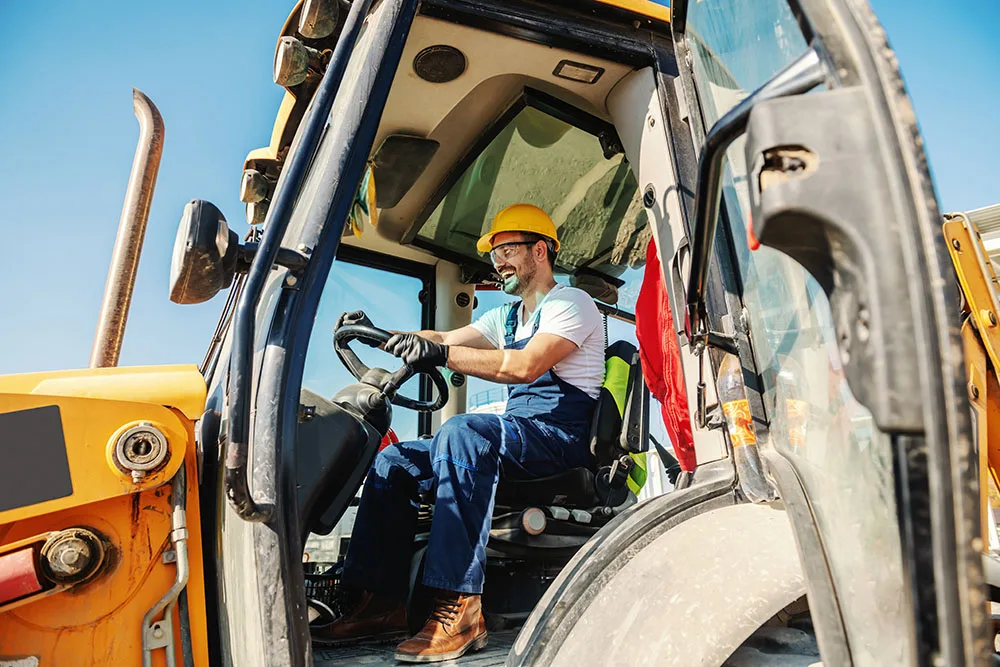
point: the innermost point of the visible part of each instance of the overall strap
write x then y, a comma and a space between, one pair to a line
537, 317
510, 326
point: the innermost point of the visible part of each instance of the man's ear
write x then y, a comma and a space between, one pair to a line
540, 252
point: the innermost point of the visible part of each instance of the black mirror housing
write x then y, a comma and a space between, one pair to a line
205, 252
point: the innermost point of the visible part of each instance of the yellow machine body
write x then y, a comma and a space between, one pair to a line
981, 344
100, 620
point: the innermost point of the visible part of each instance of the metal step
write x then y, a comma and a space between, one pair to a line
381, 655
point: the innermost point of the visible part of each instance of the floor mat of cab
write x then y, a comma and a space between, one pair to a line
379, 655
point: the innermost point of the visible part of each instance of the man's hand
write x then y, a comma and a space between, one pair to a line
417, 351
353, 318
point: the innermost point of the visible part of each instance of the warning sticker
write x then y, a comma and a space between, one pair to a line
740, 422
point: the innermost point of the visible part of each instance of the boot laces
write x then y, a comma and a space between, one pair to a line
446, 608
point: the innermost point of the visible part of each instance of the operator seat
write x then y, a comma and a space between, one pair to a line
578, 501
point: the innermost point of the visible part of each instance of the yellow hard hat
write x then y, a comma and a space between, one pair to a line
519, 218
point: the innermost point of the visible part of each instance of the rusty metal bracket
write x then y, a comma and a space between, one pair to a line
977, 278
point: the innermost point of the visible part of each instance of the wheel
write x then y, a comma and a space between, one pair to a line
792, 645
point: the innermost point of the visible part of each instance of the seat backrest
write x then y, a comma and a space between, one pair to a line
621, 418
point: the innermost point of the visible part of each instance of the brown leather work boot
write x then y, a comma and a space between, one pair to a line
455, 627
371, 618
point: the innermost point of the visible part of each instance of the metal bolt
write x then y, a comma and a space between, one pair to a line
291, 280
652, 121
71, 555
141, 449
955, 244
306, 413
649, 197
303, 248
973, 391
990, 317
157, 632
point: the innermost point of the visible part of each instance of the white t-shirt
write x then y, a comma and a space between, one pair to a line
567, 312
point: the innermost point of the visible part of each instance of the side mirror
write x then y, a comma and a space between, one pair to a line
205, 254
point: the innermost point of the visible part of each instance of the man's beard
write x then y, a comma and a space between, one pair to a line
516, 284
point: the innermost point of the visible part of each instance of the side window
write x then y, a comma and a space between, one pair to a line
392, 301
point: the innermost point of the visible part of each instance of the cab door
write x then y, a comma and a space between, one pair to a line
812, 191
257, 557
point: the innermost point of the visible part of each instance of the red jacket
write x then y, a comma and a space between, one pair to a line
661, 358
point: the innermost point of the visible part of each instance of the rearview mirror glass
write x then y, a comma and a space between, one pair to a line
204, 259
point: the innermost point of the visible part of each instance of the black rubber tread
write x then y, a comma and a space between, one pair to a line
777, 646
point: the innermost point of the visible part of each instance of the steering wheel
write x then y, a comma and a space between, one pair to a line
376, 338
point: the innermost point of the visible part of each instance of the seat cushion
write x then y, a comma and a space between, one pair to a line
572, 488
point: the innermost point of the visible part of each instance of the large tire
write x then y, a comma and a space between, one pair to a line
778, 646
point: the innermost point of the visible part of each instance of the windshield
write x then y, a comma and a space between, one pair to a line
843, 461
537, 158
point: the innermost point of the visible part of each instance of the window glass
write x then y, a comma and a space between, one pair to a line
594, 201
842, 459
392, 301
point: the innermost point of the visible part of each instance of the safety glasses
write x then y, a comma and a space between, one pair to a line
505, 251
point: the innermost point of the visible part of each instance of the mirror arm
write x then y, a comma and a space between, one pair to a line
292, 260
721, 341
803, 74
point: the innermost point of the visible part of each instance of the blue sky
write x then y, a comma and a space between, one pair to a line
69, 135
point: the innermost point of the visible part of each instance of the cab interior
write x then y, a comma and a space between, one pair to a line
480, 116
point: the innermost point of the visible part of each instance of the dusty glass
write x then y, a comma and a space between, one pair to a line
842, 460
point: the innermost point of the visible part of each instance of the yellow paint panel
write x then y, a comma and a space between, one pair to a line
89, 426
650, 9
99, 622
180, 387
270, 152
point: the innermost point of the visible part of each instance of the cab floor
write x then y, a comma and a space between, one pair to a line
380, 655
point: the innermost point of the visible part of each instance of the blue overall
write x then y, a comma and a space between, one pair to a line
544, 431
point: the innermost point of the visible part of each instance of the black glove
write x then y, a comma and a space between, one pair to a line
417, 351
355, 317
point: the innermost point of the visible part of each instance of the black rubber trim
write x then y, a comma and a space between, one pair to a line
612, 37
824, 606
279, 543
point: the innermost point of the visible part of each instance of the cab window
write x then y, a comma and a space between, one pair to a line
544, 156
393, 300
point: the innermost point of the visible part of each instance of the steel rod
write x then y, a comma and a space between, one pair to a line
131, 230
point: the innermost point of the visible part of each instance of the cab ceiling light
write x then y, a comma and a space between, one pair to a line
439, 64
567, 69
